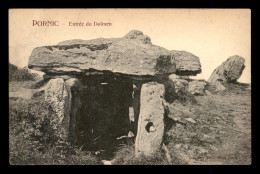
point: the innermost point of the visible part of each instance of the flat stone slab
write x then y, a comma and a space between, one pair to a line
133, 54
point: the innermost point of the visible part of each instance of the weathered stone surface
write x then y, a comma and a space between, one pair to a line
196, 87
151, 120
57, 95
228, 71
64, 99
208, 92
133, 54
74, 88
48, 77
219, 86
177, 83
186, 63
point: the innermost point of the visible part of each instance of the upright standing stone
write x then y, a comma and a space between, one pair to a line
74, 88
65, 100
58, 96
136, 104
151, 119
228, 71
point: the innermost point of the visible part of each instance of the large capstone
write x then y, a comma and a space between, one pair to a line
151, 120
133, 54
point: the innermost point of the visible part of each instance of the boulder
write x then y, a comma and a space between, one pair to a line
186, 63
133, 54
228, 71
177, 83
151, 120
196, 87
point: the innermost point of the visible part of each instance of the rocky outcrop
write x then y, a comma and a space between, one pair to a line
151, 120
196, 87
186, 63
133, 54
228, 71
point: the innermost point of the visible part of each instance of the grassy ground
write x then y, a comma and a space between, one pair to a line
216, 129
222, 132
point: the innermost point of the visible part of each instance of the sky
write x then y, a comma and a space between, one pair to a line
211, 34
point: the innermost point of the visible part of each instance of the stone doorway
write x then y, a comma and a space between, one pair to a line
105, 117
98, 109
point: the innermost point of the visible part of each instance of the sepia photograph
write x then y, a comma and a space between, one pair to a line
129, 86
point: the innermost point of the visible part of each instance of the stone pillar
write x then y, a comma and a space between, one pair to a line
59, 94
136, 105
151, 120
74, 88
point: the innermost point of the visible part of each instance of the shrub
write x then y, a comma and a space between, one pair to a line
34, 136
18, 74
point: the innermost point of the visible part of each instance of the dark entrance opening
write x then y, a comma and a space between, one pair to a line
105, 113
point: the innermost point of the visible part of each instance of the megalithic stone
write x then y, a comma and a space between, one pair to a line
74, 87
58, 96
151, 120
64, 97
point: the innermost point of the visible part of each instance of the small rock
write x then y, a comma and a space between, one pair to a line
177, 146
105, 162
176, 118
196, 87
202, 150
131, 114
207, 92
219, 87
176, 83
97, 152
130, 134
174, 76
152, 129
124, 136
190, 120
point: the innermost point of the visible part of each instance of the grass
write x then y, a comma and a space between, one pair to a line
125, 156
20, 74
222, 130
33, 138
